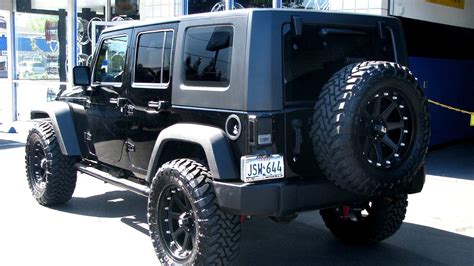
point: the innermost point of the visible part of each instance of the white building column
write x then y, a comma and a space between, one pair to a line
71, 29
277, 3
229, 4
7, 90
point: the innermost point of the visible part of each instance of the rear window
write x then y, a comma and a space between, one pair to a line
154, 57
310, 60
208, 56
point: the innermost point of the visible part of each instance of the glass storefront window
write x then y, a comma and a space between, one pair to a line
37, 46
92, 12
307, 4
3, 47
201, 6
255, 3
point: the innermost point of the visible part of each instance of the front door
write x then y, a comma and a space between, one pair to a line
107, 100
150, 93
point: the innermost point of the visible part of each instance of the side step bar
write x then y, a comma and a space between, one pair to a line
108, 178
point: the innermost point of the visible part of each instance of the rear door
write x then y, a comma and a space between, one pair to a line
149, 97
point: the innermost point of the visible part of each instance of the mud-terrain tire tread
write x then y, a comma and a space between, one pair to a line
332, 122
218, 232
61, 175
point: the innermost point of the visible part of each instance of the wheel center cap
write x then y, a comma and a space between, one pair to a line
185, 220
43, 163
380, 129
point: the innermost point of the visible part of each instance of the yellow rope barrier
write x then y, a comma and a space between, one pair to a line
454, 109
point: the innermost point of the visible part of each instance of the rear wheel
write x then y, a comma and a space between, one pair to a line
186, 225
51, 175
367, 223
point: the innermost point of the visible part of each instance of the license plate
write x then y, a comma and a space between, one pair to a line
256, 168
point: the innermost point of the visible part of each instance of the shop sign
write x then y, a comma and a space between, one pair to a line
451, 3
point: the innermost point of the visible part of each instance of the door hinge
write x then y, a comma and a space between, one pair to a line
130, 147
129, 109
87, 136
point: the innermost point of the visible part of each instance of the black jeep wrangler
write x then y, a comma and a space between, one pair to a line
219, 116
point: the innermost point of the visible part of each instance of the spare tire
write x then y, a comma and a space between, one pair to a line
371, 128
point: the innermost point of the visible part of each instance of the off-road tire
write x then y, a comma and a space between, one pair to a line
384, 219
217, 234
51, 175
337, 120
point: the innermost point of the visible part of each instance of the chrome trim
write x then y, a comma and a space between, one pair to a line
161, 86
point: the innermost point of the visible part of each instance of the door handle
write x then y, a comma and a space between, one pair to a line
119, 101
159, 105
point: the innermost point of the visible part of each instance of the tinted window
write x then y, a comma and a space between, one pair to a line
111, 60
153, 58
149, 58
309, 61
208, 56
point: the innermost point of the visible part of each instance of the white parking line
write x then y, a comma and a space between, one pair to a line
12, 144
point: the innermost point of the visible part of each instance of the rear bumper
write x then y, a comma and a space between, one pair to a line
280, 198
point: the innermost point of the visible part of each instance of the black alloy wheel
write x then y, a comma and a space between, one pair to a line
39, 165
385, 129
178, 227
186, 225
371, 128
51, 175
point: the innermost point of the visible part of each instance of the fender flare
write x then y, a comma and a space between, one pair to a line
213, 141
63, 124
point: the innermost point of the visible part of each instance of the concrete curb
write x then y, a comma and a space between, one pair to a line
7, 128
16, 127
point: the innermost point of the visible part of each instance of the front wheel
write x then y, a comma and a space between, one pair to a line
367, 223
51, 175
186, 225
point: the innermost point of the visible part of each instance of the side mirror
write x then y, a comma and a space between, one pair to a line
81, 76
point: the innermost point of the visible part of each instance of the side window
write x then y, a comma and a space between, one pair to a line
153, 57
208, 56
111, 60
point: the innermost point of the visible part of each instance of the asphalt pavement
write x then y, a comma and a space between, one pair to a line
104, 225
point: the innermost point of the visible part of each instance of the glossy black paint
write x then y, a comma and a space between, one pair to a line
123, 133
105, 113
145, 122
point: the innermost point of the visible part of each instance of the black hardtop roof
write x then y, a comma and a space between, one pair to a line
223, 14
